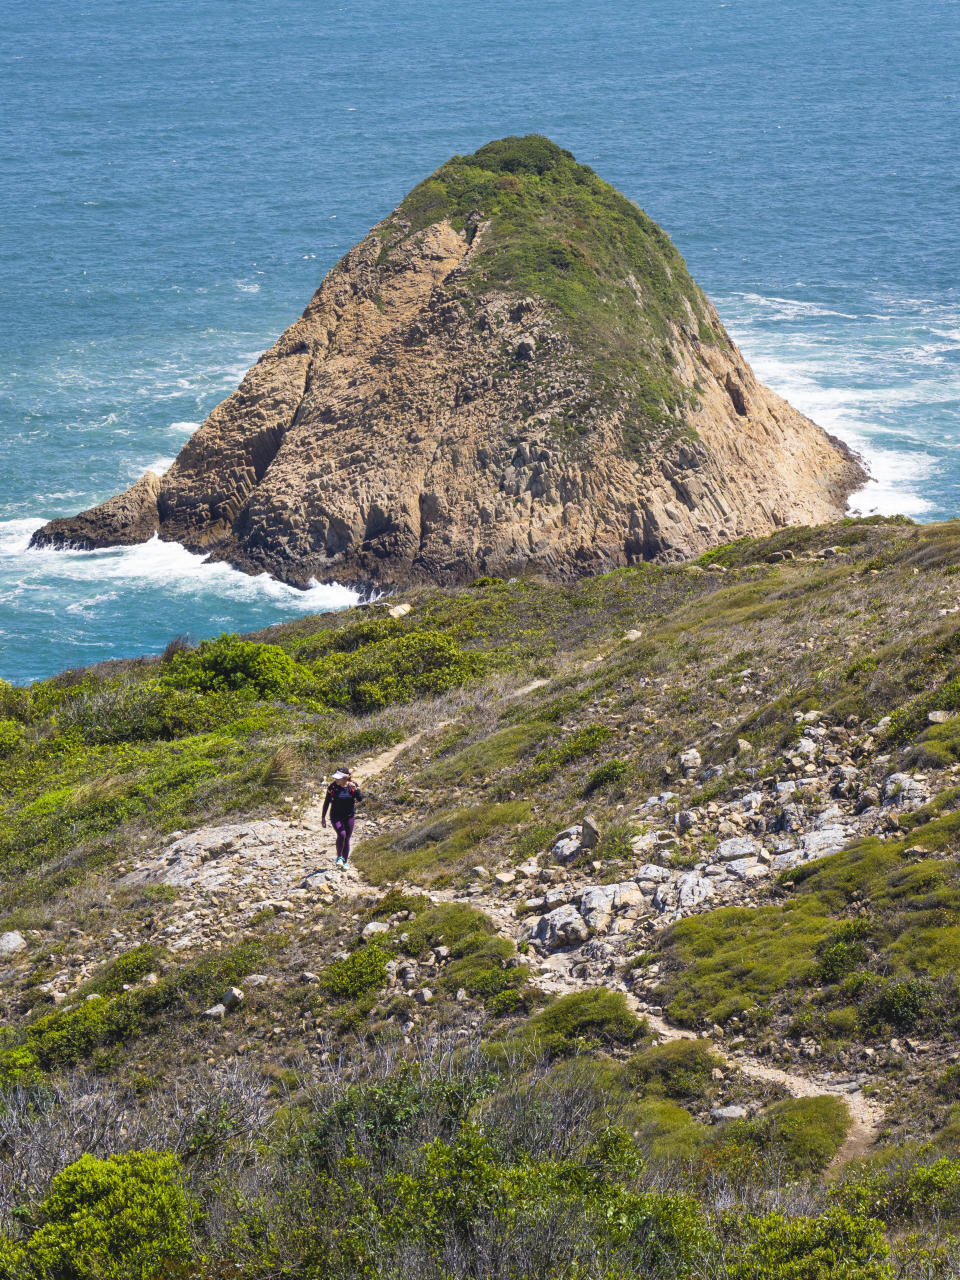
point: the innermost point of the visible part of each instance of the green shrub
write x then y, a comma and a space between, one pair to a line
445, 924
147, 710
843, 952
11, 737
127, 969
14, 702
69, 1034
806, 1132
834, 1246
479, 967
606, 775
18, 1066
903, 1191
596, 1016
729, 959
114, 1219
678, 1068
365, 970
229, 663
397, 669
902, 1004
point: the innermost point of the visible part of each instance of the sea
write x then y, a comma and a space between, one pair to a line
177, 176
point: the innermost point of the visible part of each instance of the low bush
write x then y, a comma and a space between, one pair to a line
678, 1068
806, 1132
480, 968
12, 737
229, 663
833, 1246
724, 961
444, 924
397, 669
606, 775
112, 1219
365, 970
597, 1016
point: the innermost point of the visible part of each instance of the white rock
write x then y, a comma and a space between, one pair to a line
564, 927
737, 847
12, 942
939, 717
806, 747
728, 1113
818, 844
650, 871
233, 997
505, 877
690, 761
216, 1012
373, 928
903, 792
423, 996
399, 610
747, 869
692, 889
597, 898
784, 861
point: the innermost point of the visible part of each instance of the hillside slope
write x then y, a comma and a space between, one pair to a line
651, 921
513, 370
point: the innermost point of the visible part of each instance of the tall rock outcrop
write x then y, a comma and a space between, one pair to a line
512, 371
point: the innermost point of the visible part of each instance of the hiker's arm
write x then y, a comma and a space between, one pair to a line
326, 806
357, 796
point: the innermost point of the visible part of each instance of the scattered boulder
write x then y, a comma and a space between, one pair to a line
232, 999
900, 791
719, 1114
690, 761
12, 942
589, 833
564, 927
373, 928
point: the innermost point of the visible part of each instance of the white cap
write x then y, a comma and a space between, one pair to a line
340, 774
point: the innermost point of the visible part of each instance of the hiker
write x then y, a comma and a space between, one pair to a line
341, 799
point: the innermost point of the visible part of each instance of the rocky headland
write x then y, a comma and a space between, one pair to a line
512, 372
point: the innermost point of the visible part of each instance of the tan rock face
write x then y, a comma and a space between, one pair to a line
413, 425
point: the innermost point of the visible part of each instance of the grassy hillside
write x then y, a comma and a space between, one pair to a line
415, 1073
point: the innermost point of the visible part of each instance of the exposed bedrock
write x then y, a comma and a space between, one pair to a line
513, 372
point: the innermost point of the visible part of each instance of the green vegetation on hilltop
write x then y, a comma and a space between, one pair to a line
617, 284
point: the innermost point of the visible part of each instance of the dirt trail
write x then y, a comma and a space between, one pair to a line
555, 978
262, 862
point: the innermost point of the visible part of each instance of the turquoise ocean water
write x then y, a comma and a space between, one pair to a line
176, 178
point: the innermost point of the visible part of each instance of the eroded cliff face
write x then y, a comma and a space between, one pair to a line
428, 419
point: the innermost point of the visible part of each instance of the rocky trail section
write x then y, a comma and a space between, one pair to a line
429, 418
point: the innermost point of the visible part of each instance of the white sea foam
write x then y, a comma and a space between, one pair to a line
15, 535
183, 428
165, 565
865, 382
